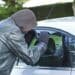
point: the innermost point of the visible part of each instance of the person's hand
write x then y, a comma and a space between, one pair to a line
29, 36
44, 37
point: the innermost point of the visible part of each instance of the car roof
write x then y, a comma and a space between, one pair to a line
65, 23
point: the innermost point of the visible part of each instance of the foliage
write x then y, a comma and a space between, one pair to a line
10, 7
21, 1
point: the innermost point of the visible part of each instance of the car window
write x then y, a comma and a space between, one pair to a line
71, 47
60, 50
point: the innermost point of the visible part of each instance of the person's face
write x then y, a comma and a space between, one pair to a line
27, 27
25, 20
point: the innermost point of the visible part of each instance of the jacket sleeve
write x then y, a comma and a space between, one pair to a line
19, 47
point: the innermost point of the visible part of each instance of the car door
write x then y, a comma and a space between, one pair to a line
51, 63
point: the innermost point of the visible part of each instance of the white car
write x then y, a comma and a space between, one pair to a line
59, 59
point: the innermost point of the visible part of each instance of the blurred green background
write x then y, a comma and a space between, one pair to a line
41, 12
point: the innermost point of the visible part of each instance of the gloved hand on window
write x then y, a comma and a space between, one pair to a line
43, 37
29, 36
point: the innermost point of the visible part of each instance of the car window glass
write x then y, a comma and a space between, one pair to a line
59, 50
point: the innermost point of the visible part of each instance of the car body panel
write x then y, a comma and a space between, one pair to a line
73, 71
66, 24
23, 69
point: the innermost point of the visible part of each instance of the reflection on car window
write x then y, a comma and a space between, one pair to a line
60, 51
55, 53
71, 47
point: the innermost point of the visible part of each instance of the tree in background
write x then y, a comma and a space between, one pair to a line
10, 7
73, 7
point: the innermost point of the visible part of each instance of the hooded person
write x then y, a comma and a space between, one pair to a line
13, 44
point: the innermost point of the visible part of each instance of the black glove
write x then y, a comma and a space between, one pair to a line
29, 36
43, 37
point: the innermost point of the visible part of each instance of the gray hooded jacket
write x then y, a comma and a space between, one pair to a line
12, 45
